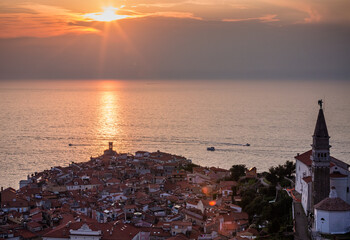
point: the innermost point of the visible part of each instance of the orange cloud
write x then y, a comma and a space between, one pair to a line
174, 15
309, 8
265, 19
41, 21
37, 20
63, 17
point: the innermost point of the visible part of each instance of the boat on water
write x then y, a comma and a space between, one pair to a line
210, 149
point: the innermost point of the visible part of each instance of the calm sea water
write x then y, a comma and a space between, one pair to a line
40, 119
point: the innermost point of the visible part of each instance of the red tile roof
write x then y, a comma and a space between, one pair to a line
307, 179
228, 183
25, 234
337, 175
34, 224
178, 237
109, 230
305, 158
216, 169
333, 204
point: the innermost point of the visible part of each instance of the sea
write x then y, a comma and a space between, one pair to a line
41, 119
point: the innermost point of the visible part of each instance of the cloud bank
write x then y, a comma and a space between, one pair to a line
47, 39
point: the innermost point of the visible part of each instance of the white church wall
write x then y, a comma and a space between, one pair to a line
332, 222
341, 170
344, 185
302, 171
322, 221
339, 222
340, 185
305, 196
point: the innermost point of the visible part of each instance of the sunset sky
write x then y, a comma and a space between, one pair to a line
174, 39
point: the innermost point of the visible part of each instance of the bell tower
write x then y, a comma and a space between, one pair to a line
320, 158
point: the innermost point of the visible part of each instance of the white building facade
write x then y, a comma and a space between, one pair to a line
332, 215
318, 175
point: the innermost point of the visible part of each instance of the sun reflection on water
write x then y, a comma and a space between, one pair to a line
109, 117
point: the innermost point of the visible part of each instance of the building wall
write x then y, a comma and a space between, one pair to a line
84, 237
49, 238
142, 236
189, 205
339, 169
306, 196
334, 221
340, 185
343, 185
24, 183
302, 171
17, 209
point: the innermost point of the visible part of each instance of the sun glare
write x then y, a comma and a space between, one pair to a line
108, 14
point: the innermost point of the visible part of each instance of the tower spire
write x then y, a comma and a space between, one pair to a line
320, 158
321, 126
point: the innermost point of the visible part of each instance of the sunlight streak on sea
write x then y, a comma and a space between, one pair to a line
39, 119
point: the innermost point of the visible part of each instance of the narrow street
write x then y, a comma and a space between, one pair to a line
301, 232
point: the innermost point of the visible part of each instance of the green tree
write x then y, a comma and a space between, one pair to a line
237, 171
272, 176
289, 167
189, 167
274, 226
248, 196
277, 174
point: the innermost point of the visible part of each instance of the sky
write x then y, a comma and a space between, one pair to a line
174, 39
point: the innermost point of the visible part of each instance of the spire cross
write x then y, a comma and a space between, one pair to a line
320, 102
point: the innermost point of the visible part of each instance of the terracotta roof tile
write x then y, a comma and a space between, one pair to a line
305, 158
332, 204
337, 175
307, 179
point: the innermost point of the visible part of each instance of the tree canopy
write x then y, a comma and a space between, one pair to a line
237, 171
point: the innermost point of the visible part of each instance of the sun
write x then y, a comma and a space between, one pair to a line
108, 14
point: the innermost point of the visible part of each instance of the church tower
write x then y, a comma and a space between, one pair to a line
320, 158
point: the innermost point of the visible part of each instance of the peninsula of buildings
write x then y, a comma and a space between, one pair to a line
122, 196
157, 195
